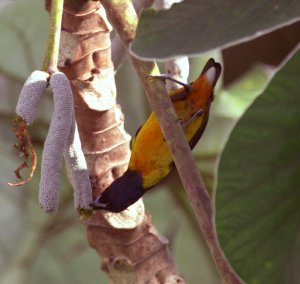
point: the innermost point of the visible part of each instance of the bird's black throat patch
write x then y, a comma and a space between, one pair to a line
123, 192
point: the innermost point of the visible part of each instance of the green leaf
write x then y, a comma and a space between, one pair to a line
258, 196
195, 26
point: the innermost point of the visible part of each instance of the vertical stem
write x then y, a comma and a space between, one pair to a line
54, 28
124, 20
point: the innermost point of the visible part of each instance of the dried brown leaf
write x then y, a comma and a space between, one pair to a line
25, 149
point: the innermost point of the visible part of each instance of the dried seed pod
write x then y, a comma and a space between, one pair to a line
79, 175
31, 94
56, 141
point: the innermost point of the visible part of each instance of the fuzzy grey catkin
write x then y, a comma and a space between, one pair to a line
31, 94
56, 141
79, 174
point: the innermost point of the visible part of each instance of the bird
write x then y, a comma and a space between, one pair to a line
151, 159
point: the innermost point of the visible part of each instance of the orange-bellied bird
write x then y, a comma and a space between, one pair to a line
151, 159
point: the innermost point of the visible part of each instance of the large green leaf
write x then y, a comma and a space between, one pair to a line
258, 193
196, 26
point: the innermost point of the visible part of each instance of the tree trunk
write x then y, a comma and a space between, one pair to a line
131, 249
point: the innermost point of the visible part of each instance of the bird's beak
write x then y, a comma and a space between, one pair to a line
98, 205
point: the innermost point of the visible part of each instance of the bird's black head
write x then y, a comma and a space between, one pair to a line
123, 192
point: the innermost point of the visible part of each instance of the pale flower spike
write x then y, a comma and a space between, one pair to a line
79, 175
62, 139
56, 142
30, 95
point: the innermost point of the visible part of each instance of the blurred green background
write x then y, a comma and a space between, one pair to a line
40, 248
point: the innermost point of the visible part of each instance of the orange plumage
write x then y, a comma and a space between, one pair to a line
151, 159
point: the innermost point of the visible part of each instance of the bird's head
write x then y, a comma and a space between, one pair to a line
123, 192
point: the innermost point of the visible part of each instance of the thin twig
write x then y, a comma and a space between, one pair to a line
54, 28
118, 49
173, 132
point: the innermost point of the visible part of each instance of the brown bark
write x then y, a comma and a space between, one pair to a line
131, 249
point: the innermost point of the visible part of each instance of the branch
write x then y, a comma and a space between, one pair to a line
173, 132
118, 51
